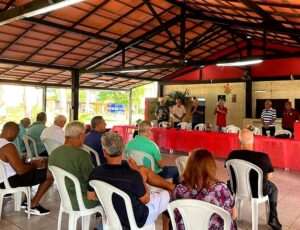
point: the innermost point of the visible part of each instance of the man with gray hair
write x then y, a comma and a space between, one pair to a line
55, 132
23, 125
74, 160
131, 179
142, 143
263, 161
93, 138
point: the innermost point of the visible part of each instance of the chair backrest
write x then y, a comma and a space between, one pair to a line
163, 124
196, 214
256, 131
183, 125
50, 144
233, 129
189, 126
104, 193
92, 151
200, 127
283, 131
181, 163
60, 176
4, 174
26, 140
154, 123
241, 170
140, 157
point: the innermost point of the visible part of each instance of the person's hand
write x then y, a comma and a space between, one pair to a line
269, 176
38, 163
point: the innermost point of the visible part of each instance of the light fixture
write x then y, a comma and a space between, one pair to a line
133, 71
260, 91
53, 6
240, 62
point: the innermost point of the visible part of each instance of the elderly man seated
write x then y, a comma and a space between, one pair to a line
131, 179
142, 143
20, 174
55, 132
35, 131
23, 125
74, 160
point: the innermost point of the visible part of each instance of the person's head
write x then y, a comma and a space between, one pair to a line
98, 124
178, 101
221, 103
288, 105
60, 120
200, 171
74, 133
268, 104
246, 139
162, 102
112, 145
25, 122
195, 101
41, 118
144, 128
10, 130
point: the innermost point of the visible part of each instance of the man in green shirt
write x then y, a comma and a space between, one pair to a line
35, 131
142, 143
76, 161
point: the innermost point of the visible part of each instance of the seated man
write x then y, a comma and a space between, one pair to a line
74, 160
35, 131
262, 160
93, 138
20, 174
142, 143
23, 125
55, 132
132, 180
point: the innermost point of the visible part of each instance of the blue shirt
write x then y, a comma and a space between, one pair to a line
19, 139
93, 140
35, 131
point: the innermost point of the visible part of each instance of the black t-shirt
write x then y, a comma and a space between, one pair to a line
130, 182
197, 117
260, 159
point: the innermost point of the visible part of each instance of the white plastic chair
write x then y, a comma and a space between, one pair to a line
65, 204
104, 193
163, 124
283, 131
26, 140
233, 129
139, 157
92, 151
256, 131
196, 214
16, 191
241, 170
189, 126
183, 125
181, 163
200, 127
50, 144
154, 123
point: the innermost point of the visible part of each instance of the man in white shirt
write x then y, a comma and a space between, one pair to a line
55, 132
178, 111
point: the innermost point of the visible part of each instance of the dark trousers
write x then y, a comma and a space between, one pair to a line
170, 172
291, 130
271, 129
271, 190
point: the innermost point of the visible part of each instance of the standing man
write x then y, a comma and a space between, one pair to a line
23, 125
263, 161
35, 131
268, 117
162, 112
221, 112
178, 111
197, 113
93, 138
289, 117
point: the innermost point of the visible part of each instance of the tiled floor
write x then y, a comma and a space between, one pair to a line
288, 183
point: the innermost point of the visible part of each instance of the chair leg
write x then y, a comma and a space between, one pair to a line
28, 196
85, 222
254, 205
59, 219
1, 202
267, 206
72, 222
17, 198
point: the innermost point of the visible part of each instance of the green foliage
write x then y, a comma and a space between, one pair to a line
114, 96
15, 113
175, 94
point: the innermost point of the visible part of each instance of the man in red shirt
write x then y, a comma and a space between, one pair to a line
289, 117
221, 112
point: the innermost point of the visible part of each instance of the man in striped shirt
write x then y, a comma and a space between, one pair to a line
268, 117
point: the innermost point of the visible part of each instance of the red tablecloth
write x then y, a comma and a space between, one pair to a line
126, 131
283, 153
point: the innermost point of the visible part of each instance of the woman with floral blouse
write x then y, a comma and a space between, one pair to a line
199, 182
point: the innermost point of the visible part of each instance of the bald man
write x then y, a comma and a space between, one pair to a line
20, 174
55, 132
263, 161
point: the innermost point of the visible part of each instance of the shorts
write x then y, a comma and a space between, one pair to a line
30, 178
